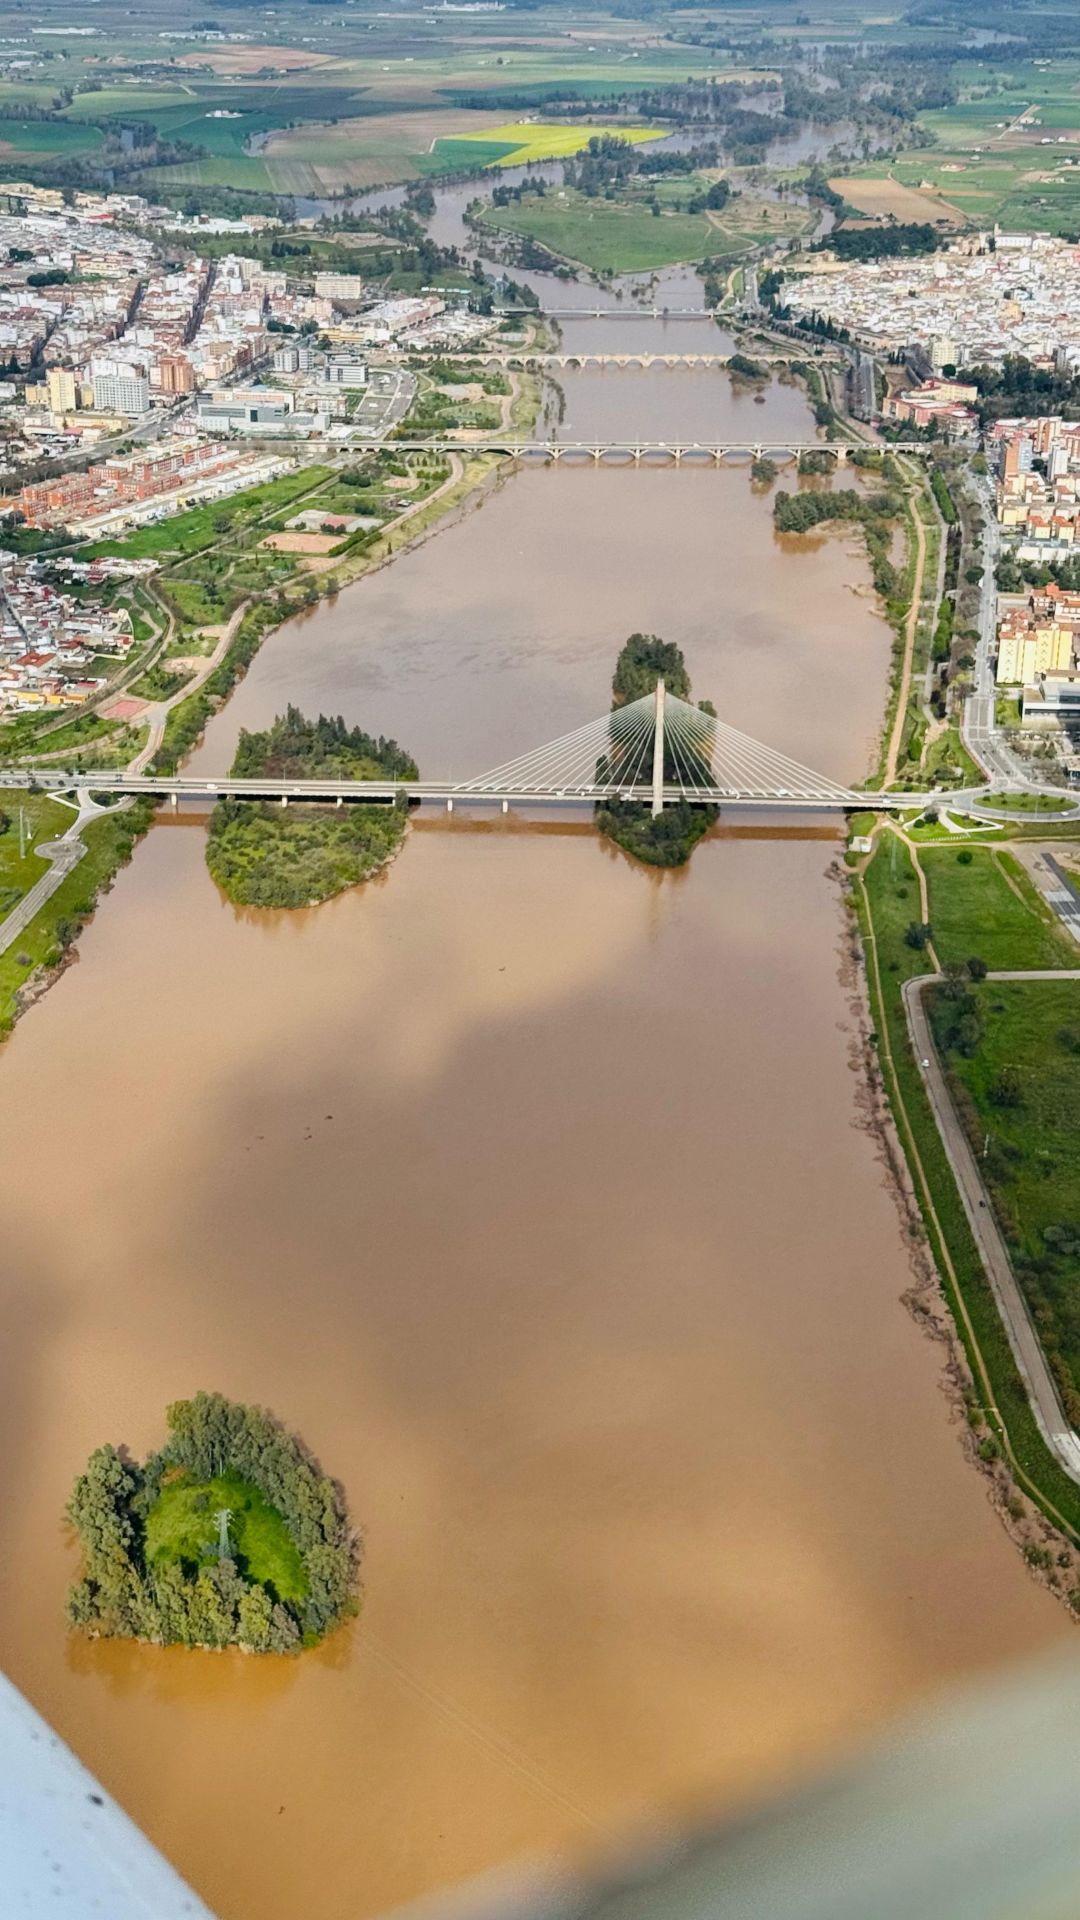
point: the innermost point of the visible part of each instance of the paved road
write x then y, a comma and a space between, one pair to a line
979, 730
1058, 887
386, 400
63, 854
1027, 1351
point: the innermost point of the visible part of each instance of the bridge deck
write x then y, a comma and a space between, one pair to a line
439, 792
674, 446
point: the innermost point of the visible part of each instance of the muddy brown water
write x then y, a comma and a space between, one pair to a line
530, 1187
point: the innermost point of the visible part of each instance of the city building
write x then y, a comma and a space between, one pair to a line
943, 405
61, 390
243, 409
130, 489
119, 388
344, 370
1053, 700
339, 286
174, 374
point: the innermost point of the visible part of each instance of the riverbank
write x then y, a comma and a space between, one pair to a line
1041, 1534
891, 895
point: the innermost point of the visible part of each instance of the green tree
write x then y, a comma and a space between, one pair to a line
254, 1618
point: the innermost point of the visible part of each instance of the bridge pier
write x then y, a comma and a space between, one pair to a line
340, 801
449, 806
174, 801
506, 806
284, 799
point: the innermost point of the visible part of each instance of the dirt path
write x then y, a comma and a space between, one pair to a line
157, 714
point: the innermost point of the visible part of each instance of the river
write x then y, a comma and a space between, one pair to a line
531, 1188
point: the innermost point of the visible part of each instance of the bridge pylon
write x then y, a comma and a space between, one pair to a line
658, 752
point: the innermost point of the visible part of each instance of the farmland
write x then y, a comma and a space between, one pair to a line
1008, 150
360, 106
519, 144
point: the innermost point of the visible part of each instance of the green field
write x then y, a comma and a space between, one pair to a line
374, 108
47, 138
606, 236
1029, 1143
991, 901
189, 533
626, 236
181, 1527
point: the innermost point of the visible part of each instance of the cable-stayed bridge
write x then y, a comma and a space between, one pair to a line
658, 750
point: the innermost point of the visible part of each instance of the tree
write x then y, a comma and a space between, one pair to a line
918, 933
212, 1604
977, 968
642, 662
254, 1618
1006, 1088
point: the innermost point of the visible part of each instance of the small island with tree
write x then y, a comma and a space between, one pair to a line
265, 855
230, 1536
668, 838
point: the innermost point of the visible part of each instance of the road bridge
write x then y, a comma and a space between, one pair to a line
532, 359
658, 750
610, 313
672, 449
176, 787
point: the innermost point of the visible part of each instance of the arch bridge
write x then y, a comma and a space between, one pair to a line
530, 359
673, 448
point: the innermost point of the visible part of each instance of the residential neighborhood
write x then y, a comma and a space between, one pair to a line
49, 640
969, 304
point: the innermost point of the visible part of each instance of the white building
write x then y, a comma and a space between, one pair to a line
119, 388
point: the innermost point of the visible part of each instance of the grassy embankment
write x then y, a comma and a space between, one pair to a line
1018, 1096
992, 913
109, 842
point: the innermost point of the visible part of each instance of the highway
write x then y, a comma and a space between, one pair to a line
979, 730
